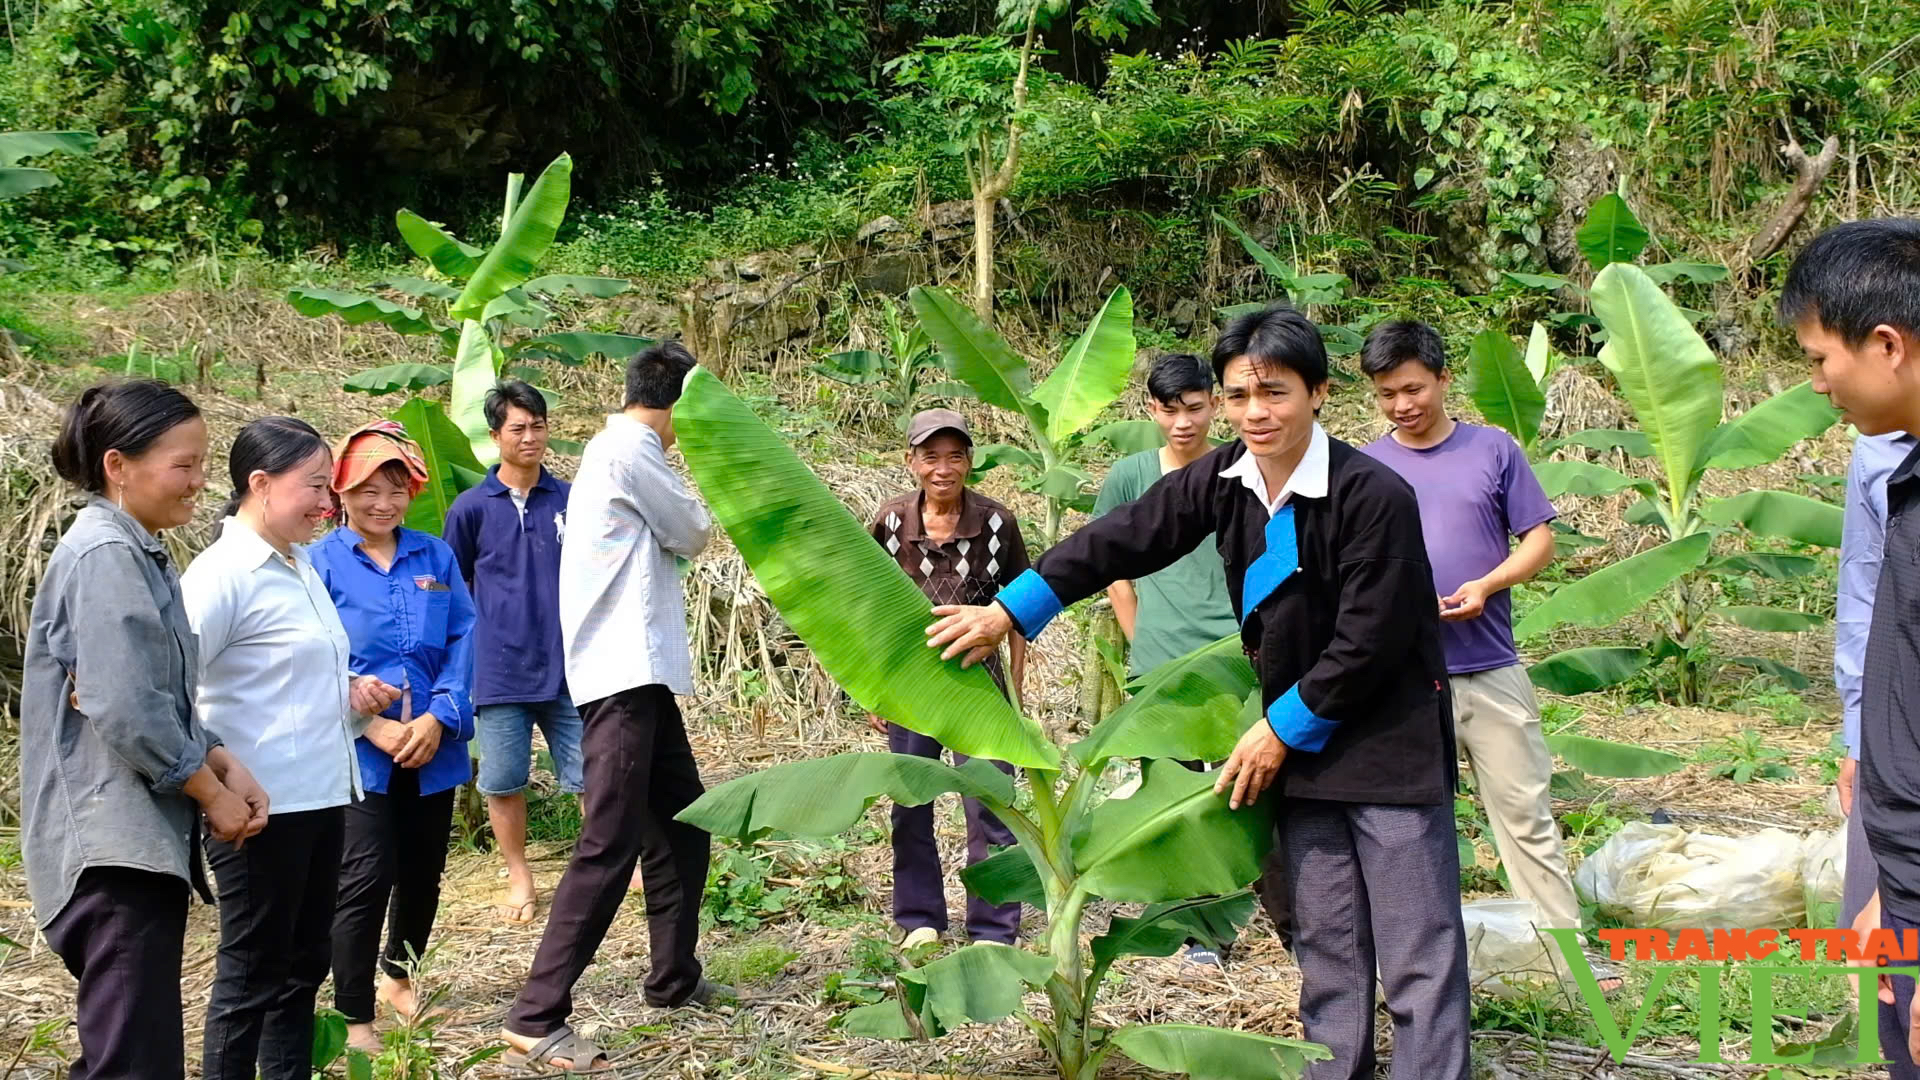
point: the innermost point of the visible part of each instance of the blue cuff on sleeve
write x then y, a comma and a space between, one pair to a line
192, 756
1294, 724
447, 711
1030, 600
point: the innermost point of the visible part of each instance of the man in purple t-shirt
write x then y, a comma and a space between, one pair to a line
1476, 490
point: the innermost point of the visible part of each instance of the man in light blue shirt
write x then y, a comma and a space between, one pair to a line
1874, 459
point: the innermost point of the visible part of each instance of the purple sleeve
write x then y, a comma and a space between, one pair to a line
1526, 502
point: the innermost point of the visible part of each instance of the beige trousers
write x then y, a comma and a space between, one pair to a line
1496, 720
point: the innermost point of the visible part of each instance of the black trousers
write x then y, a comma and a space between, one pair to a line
276, 925
640, 772
121, 935
396, 848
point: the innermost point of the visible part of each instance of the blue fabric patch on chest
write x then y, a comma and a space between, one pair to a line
1279, 562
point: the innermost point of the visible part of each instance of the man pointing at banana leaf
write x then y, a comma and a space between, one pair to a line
1327, 571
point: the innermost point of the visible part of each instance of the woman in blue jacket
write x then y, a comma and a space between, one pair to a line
410, 620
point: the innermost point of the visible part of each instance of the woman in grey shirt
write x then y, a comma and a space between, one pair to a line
115, 767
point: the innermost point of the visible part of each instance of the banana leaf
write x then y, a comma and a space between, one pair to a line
1502, 388
1548, 282
1611, 234
1094, 370
1171, 840
1767, 564
577, 346
1634, 443
1665, 371
1005, 876
414, 286
17, 146
1606, 596
1280, 272
1189, 709
1667, 273
396, 377
358, 308
842, 593
579, 284
1582, 671
451, 468
1781, 514
1614, 760
510, 262
978, 984
1163, 929
1209, 1053
438, 246
978, 355
1559, 478
1539, 358
1768, 620
18, 180
825, 796
1790, 677
474, 372
1769, 429
1129, 436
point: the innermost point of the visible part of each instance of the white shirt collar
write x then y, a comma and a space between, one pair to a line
254, 548
1309, 479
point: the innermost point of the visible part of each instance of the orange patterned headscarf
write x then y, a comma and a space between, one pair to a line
362, 453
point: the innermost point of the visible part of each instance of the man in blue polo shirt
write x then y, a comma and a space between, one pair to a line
506, 534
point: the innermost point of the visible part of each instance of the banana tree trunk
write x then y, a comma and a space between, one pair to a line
1099, 694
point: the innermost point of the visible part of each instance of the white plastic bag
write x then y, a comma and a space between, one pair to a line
1663, 876
1823, 875
1505, 951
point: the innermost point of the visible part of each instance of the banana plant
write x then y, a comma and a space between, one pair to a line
1300, 290
1090, 377
1672, 383
898, 375
17, 146
492, 319
1170, 841
1610, 234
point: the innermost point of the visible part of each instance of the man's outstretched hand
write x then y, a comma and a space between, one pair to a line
975, 631
1254, 764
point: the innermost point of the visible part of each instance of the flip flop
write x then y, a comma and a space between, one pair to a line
562, 1045
370, 1046
513, 914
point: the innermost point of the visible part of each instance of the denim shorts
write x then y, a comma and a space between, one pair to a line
504, 737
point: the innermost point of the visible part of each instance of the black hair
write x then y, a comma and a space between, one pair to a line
1855, 276
1394, 343
654, 377
511, 394
1178, 373
273, 445
127, 416
1275, 335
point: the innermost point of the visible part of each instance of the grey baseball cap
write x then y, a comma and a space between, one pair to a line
928, 422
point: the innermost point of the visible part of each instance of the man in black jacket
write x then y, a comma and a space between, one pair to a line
1328, 574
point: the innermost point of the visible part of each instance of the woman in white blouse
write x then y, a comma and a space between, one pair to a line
274, 686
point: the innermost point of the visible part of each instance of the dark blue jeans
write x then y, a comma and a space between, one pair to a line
919, 889
1893, 1018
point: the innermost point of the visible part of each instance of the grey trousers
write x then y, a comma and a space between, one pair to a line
1379, 885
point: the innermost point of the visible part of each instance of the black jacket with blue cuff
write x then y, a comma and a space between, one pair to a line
1347, 648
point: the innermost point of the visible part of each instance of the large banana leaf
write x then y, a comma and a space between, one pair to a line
979, 984
1633, 443
1582, 671
1791, 678
1093, 372
1768, 620
18, 180
396, 377
1767, 564
1162, 929
1611, 234
1616, 760
445, 251
1189, 710
993, 455
1769, 429
1669, 272
1505, 392
1664, 369
1129, 436
17, 146
510, 262
1606, 596
824, 796
1171, 840
1539, 357
1781, 514
842, 593
1005, 876
1209, 1053
356, 308
1559, 478
474, 371
576, 346
451, 468
579, 284
978, 355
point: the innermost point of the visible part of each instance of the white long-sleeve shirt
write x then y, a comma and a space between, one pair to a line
273, 669
623, 616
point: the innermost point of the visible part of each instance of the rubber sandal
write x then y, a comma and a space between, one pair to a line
520, 914
562, 1045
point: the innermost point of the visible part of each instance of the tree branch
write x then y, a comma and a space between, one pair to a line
1808, 174
1002, 180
